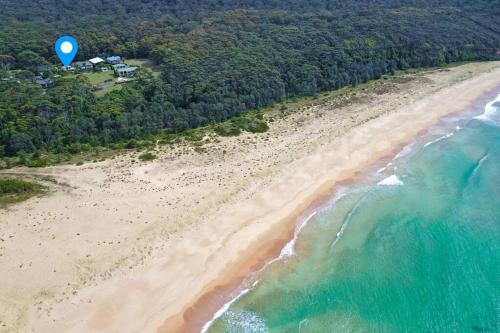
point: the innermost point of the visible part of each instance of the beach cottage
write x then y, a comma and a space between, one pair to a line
113, 60
84, 65
96, 61
126, 72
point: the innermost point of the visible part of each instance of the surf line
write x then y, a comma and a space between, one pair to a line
286, 251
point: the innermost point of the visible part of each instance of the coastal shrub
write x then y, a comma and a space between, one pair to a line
14, 190
145, 144
131, 144
15, 186
5, 164
255, 126
37, 163
192, 135
23, 158
147, 157
227, 129
76, 148
253, 123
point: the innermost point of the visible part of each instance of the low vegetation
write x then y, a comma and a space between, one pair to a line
147, 157
252, 122
16, 190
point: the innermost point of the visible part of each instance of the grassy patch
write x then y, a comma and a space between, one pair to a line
140, 62
103, 91
96, 78
16, 190
145, 64
103, 82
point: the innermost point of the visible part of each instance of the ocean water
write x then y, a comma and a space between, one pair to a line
418, 248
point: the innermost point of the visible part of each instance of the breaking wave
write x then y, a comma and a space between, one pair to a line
391, 181
491, 114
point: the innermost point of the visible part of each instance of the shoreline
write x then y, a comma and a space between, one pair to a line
161, 246
230, 285
246, 284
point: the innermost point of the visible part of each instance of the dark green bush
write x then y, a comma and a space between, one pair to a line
38, 163
255, 126
147, 157
14, 190
227, 129
131, 144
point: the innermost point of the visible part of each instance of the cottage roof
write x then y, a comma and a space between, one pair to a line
113, 58
126, 69
83, 63
96, 60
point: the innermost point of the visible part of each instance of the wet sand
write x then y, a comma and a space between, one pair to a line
403, 127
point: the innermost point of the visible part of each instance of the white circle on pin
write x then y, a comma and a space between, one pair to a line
66, 47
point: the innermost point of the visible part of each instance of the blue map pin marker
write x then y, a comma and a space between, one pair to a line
66, 48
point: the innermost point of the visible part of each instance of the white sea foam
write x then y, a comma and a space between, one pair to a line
405, 151
479, 165
289, 249
224, 308
340, 233
243, 321
449, 135
392, 180
491, 112
384, 168
347, 219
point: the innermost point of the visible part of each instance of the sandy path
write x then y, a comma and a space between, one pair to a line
129, 247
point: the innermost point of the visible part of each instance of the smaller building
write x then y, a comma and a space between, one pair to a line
84, 65
113, 60
104, 69
96, 61
126, 72
119, 66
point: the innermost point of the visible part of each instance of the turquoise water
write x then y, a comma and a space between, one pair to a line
418, 254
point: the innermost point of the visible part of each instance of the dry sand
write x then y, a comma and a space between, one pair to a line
142, 247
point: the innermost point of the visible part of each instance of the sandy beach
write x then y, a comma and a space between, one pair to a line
127, 246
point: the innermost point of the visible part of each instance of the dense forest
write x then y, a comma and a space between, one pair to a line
217, 59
